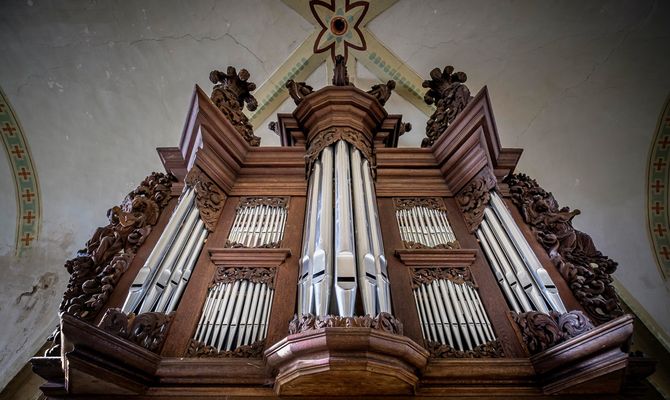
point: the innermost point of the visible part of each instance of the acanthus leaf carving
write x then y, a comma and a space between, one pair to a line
474, 198
407, 203
97, 268
209, 198
450, 95
230, 93
491, 349
540, 331
148, 330
414, 245
329, 136
201, 350
225, 275
586, 270
425, 276
308, 322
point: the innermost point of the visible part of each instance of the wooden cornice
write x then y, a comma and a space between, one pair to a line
437, 257
471, 143
249, 257
212, 143
409, 172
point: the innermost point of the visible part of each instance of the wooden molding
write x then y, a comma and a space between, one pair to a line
437, 257
249, 257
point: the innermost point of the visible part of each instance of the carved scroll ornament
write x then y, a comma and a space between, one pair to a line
491, 349
449, 246
329, 136
308, 322
201, 350
208, 197
231, 91
586, 270
541, 331
148, 330
474, 198
97, 268
425, 276
225, 275
274, 201
450, 95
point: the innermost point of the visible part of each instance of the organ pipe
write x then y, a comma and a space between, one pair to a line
342, 243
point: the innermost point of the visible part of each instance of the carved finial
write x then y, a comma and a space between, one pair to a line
448, 91
298, 90
340, 76
274, 127
406, 127
231, 91
382, 91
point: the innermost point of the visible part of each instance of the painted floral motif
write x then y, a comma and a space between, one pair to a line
339, 21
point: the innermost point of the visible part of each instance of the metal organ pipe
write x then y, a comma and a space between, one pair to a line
342, 245
160, 283
525, 283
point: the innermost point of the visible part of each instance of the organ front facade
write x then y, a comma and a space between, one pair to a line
339, 264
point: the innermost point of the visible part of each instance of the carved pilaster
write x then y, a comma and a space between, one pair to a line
586, 270
225, 275
491, 349
209, 198
201, 350
98, 267
474, 198
541, 331
148, 330
308, 322
450, 95
230, 93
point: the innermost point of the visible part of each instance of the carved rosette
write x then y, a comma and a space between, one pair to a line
474, 198
541, 331
425, 276
435, 203
148, 330
96, 269
225, 275
450, 95
491, 349
209, 198
586, 270
201, 350
308, 322
230, 93
331, 135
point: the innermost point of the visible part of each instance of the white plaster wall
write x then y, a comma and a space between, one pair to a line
98, 85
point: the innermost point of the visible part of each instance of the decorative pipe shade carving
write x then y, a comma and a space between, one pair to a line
423, 223
451, 313
522, 278
237, 308
160, 283
259, 222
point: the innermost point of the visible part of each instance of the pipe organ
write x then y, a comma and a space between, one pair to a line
339, 264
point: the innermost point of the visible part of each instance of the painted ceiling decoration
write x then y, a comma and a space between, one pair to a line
28, 216
339, 28
658, 177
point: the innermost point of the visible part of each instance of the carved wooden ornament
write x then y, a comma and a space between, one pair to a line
474, 198
148, 330
449, 93
383, 321
209, 198
98, 267
541, 331
586, 270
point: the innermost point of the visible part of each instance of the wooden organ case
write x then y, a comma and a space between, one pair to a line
339, 264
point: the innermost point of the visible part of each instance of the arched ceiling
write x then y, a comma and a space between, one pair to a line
97, 86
